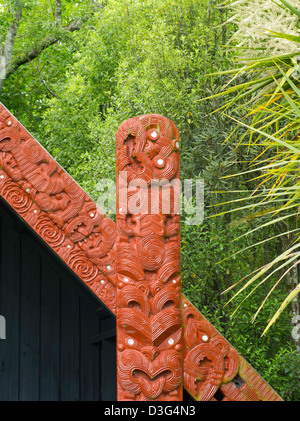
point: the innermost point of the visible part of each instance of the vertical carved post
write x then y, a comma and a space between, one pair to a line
149, 332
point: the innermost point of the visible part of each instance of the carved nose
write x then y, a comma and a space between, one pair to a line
150, 352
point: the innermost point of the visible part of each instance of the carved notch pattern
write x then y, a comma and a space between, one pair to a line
149, 333
56, 207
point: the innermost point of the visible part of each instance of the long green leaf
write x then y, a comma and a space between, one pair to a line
272, 289
285, 303
265, 268
279, 141
292, 8
294, 256
289, 37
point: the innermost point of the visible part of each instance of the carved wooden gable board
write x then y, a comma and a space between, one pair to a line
87, 240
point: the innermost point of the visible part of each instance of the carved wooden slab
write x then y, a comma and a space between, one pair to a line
57, 208
149, 332
69, 221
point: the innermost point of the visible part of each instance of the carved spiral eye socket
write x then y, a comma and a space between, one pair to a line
168, 304
134, 304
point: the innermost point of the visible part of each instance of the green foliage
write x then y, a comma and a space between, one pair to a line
265, 101
136, 57
284, 372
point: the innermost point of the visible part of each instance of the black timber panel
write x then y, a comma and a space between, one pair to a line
69, 351
10, 309
50, 333
90, 355
108, 350
52, 319
29, 320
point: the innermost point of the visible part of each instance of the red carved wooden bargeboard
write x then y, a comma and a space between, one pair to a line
213, 369
70, 222
57, 208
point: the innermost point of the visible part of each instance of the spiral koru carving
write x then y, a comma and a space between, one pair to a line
213, 370
149, 333
55, 206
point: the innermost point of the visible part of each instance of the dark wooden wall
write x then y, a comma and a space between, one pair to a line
60, 341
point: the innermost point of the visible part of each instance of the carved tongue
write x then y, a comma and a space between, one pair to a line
152, 388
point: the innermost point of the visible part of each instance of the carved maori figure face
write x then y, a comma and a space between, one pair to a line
148, 264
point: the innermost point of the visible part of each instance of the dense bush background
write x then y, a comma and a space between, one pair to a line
134, 57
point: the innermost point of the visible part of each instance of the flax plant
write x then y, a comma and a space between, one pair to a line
264, 88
